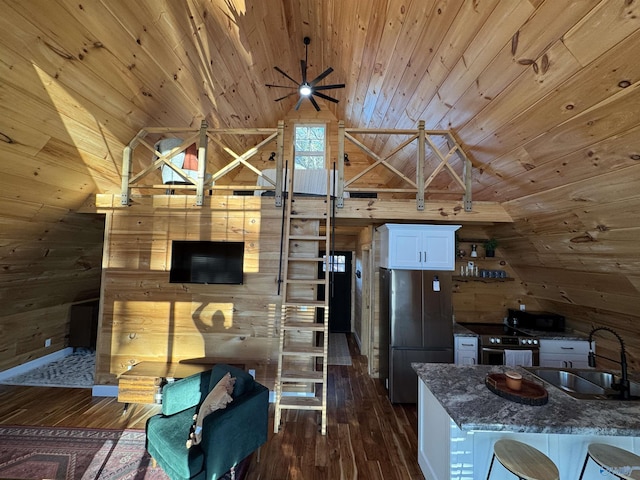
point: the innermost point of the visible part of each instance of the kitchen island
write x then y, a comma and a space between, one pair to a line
459, 420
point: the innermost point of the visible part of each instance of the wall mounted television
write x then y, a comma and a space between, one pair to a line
206, 262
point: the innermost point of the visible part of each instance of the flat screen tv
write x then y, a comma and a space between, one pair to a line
206, 262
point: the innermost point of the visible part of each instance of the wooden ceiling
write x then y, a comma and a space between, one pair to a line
543, 95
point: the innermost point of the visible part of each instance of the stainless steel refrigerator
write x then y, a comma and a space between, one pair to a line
416, 326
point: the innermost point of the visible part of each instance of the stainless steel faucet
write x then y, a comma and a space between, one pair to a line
623, 384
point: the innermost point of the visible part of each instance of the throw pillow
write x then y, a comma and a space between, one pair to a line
217, 399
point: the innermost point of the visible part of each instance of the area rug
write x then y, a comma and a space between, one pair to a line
30, 453
73, 371
37, 453
338, 350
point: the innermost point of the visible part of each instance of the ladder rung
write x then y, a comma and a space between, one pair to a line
313, 281
301, 403
301, 302
303, 351
309, 216
313, 238
302, 376
304, 326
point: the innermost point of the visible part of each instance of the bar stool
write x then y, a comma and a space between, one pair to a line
524, 461
616, 461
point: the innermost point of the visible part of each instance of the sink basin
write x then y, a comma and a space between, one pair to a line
584, 384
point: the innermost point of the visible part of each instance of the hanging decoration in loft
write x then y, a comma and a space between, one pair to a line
307, 89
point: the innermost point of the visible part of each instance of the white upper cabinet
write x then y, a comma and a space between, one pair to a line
418, 247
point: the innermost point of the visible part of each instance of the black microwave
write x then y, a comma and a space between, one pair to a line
542, 321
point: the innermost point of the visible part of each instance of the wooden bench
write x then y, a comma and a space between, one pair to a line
143, 382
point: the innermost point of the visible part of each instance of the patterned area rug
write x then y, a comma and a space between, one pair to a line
338, 350
75, 371
36, 453
75, 454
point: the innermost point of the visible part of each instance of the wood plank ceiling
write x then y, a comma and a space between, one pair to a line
542, 94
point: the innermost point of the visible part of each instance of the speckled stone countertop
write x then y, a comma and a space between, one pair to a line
472, 406
567, 335
460, 331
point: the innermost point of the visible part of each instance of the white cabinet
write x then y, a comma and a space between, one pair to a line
466, 350
564, 353
418, 247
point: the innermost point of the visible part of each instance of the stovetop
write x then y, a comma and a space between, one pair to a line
494, 329
504, 336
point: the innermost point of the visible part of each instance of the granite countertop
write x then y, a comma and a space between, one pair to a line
460, 331
544, 335
472, 406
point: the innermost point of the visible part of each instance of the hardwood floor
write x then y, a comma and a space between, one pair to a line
367, 437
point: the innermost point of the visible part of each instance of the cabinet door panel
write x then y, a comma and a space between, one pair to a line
405, 250
438, 248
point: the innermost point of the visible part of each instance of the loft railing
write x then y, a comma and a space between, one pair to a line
203, 181
442, 145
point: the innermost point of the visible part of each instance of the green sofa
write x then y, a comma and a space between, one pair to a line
228, 435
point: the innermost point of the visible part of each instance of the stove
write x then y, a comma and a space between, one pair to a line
495, 338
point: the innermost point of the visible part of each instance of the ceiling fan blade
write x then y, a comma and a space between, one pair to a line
278, 86
283, 73
321, 76
303, 68
286, 96
326, 97
315, 104
329, 87
299, 102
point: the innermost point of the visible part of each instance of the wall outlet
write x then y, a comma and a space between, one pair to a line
522, 307
47, 343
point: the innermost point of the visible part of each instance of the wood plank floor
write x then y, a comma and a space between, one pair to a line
367, 437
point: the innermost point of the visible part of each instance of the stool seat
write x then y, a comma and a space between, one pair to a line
525, 461
619, 462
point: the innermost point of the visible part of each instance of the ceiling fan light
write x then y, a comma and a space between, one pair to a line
305, 90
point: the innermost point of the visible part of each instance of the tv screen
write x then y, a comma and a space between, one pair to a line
206, 262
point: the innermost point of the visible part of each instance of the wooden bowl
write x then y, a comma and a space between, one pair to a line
514, 380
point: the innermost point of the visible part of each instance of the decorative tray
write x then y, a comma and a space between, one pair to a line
531, 393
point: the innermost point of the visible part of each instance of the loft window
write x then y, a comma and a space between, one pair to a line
310, 146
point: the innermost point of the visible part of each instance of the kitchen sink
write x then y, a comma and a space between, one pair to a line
585, 384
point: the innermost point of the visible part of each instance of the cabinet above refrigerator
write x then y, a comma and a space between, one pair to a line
417, 247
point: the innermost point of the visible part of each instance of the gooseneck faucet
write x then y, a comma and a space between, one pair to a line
623, 384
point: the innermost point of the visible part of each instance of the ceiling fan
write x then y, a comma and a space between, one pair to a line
305, 88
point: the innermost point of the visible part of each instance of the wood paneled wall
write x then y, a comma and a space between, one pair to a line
147, 318
477, 301
50, 259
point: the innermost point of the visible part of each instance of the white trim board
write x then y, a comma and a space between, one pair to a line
38, 362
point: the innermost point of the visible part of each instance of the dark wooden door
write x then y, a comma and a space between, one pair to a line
340, 291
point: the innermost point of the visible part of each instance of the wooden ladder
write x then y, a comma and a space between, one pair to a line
301, 382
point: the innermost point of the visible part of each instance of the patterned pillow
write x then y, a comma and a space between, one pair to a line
217, 399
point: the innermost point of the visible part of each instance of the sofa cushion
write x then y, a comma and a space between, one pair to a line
185, 393
244, 381
166, 443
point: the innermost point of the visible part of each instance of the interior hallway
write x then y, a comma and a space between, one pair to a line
367, 437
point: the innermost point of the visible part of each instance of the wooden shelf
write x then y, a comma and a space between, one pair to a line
461, 278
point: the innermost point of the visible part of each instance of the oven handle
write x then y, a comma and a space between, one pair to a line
492, 350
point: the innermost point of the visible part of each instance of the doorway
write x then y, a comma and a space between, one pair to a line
340, 290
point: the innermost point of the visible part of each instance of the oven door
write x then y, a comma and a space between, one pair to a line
495, 356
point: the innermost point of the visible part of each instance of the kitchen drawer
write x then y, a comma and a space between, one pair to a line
466, 350
577, 347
